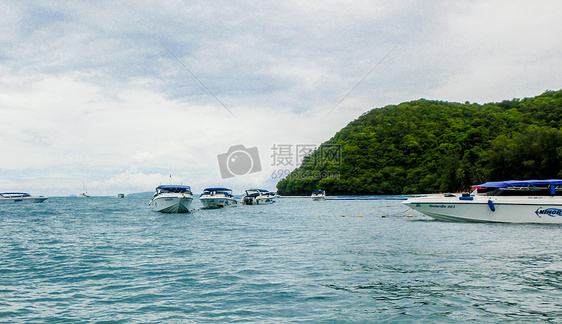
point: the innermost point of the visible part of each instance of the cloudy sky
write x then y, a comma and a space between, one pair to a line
116, 95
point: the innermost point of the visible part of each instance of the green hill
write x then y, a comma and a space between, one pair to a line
433, 146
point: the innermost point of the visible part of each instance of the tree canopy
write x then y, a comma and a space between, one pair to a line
428, 146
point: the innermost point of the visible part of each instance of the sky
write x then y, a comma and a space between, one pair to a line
122, 96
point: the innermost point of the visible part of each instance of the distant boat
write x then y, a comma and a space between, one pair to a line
318, 195
258, 197
120, 195
217, 198
514, 201
20, 197
172, 199
84, 193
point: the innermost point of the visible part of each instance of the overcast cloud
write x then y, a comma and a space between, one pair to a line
103, 92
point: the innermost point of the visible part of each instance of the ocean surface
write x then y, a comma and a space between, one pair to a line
110, 260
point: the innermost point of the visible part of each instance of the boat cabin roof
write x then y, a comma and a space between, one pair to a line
19, 194
173, 188
519, 183
217, 189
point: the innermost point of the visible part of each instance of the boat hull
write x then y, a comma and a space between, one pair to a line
172, 204
24, 200
318, 198
536, 210
217, 202
258, 200
264, 201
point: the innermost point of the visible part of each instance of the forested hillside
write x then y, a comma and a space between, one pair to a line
432, 146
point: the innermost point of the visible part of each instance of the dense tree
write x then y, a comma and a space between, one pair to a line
433, 146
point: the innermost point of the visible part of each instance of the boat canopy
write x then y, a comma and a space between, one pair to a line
318, 191
519, 183
173, 187
19, 194
14, 193
217, 189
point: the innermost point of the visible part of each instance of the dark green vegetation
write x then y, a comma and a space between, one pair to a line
432, 146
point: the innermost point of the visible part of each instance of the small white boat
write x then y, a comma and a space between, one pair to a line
514, 201
84, 193
20, 197
217, 198
258, 197
172, 199
318, 195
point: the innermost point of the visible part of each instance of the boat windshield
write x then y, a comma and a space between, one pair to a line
173, 189
217, 192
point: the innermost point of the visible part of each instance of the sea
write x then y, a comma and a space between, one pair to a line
112, 260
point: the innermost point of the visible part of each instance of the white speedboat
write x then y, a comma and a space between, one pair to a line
217, 198
529, 201
172, 199
19, 197
258, 197
318, 195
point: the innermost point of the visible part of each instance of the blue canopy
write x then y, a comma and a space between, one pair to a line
174, 187
14, 193
217, 189
318, 191
519, 183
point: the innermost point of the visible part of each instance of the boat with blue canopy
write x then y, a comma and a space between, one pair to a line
172, 199
213, 198
20, 197
511, 201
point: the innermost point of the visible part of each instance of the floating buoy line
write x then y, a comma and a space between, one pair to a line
399, 214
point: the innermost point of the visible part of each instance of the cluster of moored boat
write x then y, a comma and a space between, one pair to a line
178, 198
514, 201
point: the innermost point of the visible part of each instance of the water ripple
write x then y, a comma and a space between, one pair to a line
116, 261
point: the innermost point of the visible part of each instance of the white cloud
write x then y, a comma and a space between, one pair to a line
90, 94
505, 50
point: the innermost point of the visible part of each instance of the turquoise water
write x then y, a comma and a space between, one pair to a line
116, 261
